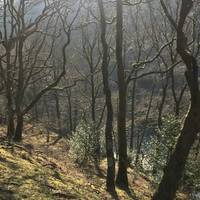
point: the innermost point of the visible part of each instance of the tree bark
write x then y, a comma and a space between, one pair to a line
69, 102
110, 179
9, 77
122, 178
177, 99
10, 123
163, 98
176, 165
133, 112
58, 113
10, 120
19, 128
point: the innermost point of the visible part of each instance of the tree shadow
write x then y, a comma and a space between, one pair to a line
113, 195
131, 194
89, 170
98, 171
6, 194
3, 160
10, 164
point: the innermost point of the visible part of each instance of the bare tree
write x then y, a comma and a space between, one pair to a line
110, 180
122, 178
175, 167
22, 67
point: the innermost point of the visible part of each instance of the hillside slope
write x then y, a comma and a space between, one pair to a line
34, 170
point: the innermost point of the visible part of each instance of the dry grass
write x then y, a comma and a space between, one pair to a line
34, 170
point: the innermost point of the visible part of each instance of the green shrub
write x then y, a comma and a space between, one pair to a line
85, 143
161, 145
131, 157
191, 179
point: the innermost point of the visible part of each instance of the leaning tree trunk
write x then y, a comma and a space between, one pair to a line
177, 98
175, 167
110, 179
174, 170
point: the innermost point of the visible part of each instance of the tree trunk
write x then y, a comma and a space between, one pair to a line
93, 100
141, 139
58, 113
19, 128
133, 112
75, 118
9, 95
36, 112
69, 102
122, 178
161, 106
20, 89
10, 124
110, 179
47, 118
175, 167
177, 99
8, 73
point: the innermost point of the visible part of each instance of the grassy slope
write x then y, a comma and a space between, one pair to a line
47, 173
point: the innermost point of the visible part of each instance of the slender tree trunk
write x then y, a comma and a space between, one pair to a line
110, 179
161, 106
8, 73
10, 120
75, 118
58, 113
122, 178
36, 112
68, 92
141, 139
93, 115
133, 112
9, 95
48, 118
93, 103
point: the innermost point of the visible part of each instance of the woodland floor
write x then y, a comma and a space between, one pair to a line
35, 170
